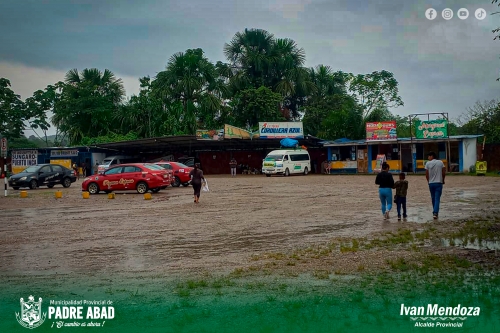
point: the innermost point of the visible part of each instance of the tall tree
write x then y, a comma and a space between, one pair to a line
254, 105
191, 79
375, 91
13, 113
483, 118
40, 105
88, 102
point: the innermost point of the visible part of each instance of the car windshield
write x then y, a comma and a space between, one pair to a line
153, 167
181, 165
30, 169
274, 158
106, 162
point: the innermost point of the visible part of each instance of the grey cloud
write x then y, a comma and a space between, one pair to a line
440, 65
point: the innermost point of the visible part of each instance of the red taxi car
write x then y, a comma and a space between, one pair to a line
141, 177
181, 172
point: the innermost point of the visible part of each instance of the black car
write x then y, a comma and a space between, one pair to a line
42, 175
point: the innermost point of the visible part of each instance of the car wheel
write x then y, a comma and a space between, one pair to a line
306, 171
142, 187
93, 188
67, 182
177, 182
268, 175
155, 190
33, 184
287, 172
16, 188
50, 185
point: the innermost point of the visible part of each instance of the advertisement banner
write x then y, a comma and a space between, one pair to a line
280, 130
431, 129
64, 152
379, 161
21, 159
231, 132
210, 134
382, 130
64, 163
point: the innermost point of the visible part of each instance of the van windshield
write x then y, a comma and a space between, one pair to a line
274, 158
106, 162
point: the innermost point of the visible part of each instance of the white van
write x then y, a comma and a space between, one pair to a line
286, 162
109, 161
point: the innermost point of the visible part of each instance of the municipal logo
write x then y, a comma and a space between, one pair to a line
31, 315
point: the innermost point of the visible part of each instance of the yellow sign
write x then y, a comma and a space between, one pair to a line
231, 132
481, 167
64, 163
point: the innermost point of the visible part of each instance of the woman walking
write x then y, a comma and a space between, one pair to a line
386, 183
196, 178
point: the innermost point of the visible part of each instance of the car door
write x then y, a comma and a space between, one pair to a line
44, 175
57, 174
129, 176
111, 179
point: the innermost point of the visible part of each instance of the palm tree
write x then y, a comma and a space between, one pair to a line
87, 104
194, 81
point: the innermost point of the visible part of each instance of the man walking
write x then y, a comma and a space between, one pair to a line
435, 173
233, 165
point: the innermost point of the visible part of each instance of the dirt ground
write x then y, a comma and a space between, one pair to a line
239, 218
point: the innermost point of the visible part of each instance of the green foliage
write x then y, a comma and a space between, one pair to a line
12, 111
254, 105
483, 118
110, 137
22, 142
87, 103
375, 91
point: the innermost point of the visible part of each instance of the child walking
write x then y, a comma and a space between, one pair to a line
401, 187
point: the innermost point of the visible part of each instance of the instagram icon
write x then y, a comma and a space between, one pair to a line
447, 14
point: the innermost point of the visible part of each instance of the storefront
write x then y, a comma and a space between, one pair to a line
347, 156
458, 153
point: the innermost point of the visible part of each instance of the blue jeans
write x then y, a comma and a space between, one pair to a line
401, 201
436, 190
385, 195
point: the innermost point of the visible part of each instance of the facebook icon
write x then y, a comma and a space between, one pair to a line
430, 14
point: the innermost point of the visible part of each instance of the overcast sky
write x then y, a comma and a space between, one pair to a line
441, 65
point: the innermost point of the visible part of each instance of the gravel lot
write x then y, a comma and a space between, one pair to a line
239, 218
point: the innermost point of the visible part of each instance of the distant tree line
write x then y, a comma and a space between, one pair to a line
264, 79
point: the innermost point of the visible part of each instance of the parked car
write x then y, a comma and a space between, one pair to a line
43, 175
141, 177
180, 172
115, 160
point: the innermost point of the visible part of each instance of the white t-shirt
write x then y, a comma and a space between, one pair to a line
435, 168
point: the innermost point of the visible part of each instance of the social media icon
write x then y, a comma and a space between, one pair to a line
480, 14
447, 14
463, 13
431, 14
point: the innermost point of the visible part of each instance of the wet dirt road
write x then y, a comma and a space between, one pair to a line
240, 217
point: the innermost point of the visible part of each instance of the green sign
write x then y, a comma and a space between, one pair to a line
431, 129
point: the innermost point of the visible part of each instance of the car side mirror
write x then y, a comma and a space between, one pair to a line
40, 172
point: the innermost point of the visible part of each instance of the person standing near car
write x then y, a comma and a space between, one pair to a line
233, 165
435, 173
96, 168
196, 178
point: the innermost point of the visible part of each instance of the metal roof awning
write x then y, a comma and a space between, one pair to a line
183, 143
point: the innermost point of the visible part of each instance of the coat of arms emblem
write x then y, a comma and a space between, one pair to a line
31, 315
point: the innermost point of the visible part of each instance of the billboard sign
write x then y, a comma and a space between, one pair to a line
381, 130
21, 159
210, 134
280, 130
431, 129
231, 132
64, 152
